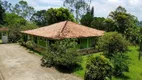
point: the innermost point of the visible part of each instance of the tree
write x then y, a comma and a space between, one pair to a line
123, 20
78, 7
98, 23
40, 18
13, 19
16, 24
98, 68
109, 25
87, 19
112, 43
57, 15
7, 6
23, 9
62, 53
92, 11
2, 14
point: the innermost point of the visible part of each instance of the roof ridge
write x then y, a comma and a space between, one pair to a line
63, 28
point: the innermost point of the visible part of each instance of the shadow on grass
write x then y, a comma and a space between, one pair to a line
141, 73
63, 69
123, 77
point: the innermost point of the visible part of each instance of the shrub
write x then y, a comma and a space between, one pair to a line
62, 53
98, 68
112, 43
121, 63
47, 60
30, 44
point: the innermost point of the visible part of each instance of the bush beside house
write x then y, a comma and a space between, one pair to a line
98, 68
112, 43
62, 53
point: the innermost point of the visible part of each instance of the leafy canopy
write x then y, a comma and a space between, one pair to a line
40, 18
60, 14
87, 19
97, 23
112, 43
123, 20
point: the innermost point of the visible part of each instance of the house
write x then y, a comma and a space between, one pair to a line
4, 35
44, 36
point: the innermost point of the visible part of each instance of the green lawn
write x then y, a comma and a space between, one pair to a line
135, 67
135, 72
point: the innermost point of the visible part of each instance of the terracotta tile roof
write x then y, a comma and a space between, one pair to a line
65, 29
4, 29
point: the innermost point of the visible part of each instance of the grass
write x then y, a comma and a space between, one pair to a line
135, 67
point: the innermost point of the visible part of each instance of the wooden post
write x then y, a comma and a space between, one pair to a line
46, 44
140, 51
88, 42
140, 44
37, 41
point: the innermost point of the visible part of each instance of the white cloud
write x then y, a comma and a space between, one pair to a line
45, 4
53, 2
32, 2
104, 7
134, 2
42, 7
112, 0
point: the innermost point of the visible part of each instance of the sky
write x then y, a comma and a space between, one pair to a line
101, 7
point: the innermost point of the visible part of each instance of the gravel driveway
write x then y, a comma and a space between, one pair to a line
17, 64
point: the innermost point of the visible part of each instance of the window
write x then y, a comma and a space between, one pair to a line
35, 39
51, 42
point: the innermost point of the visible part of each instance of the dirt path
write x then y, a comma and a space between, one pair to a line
17, 64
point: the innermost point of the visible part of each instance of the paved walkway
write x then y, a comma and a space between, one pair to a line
17, 64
